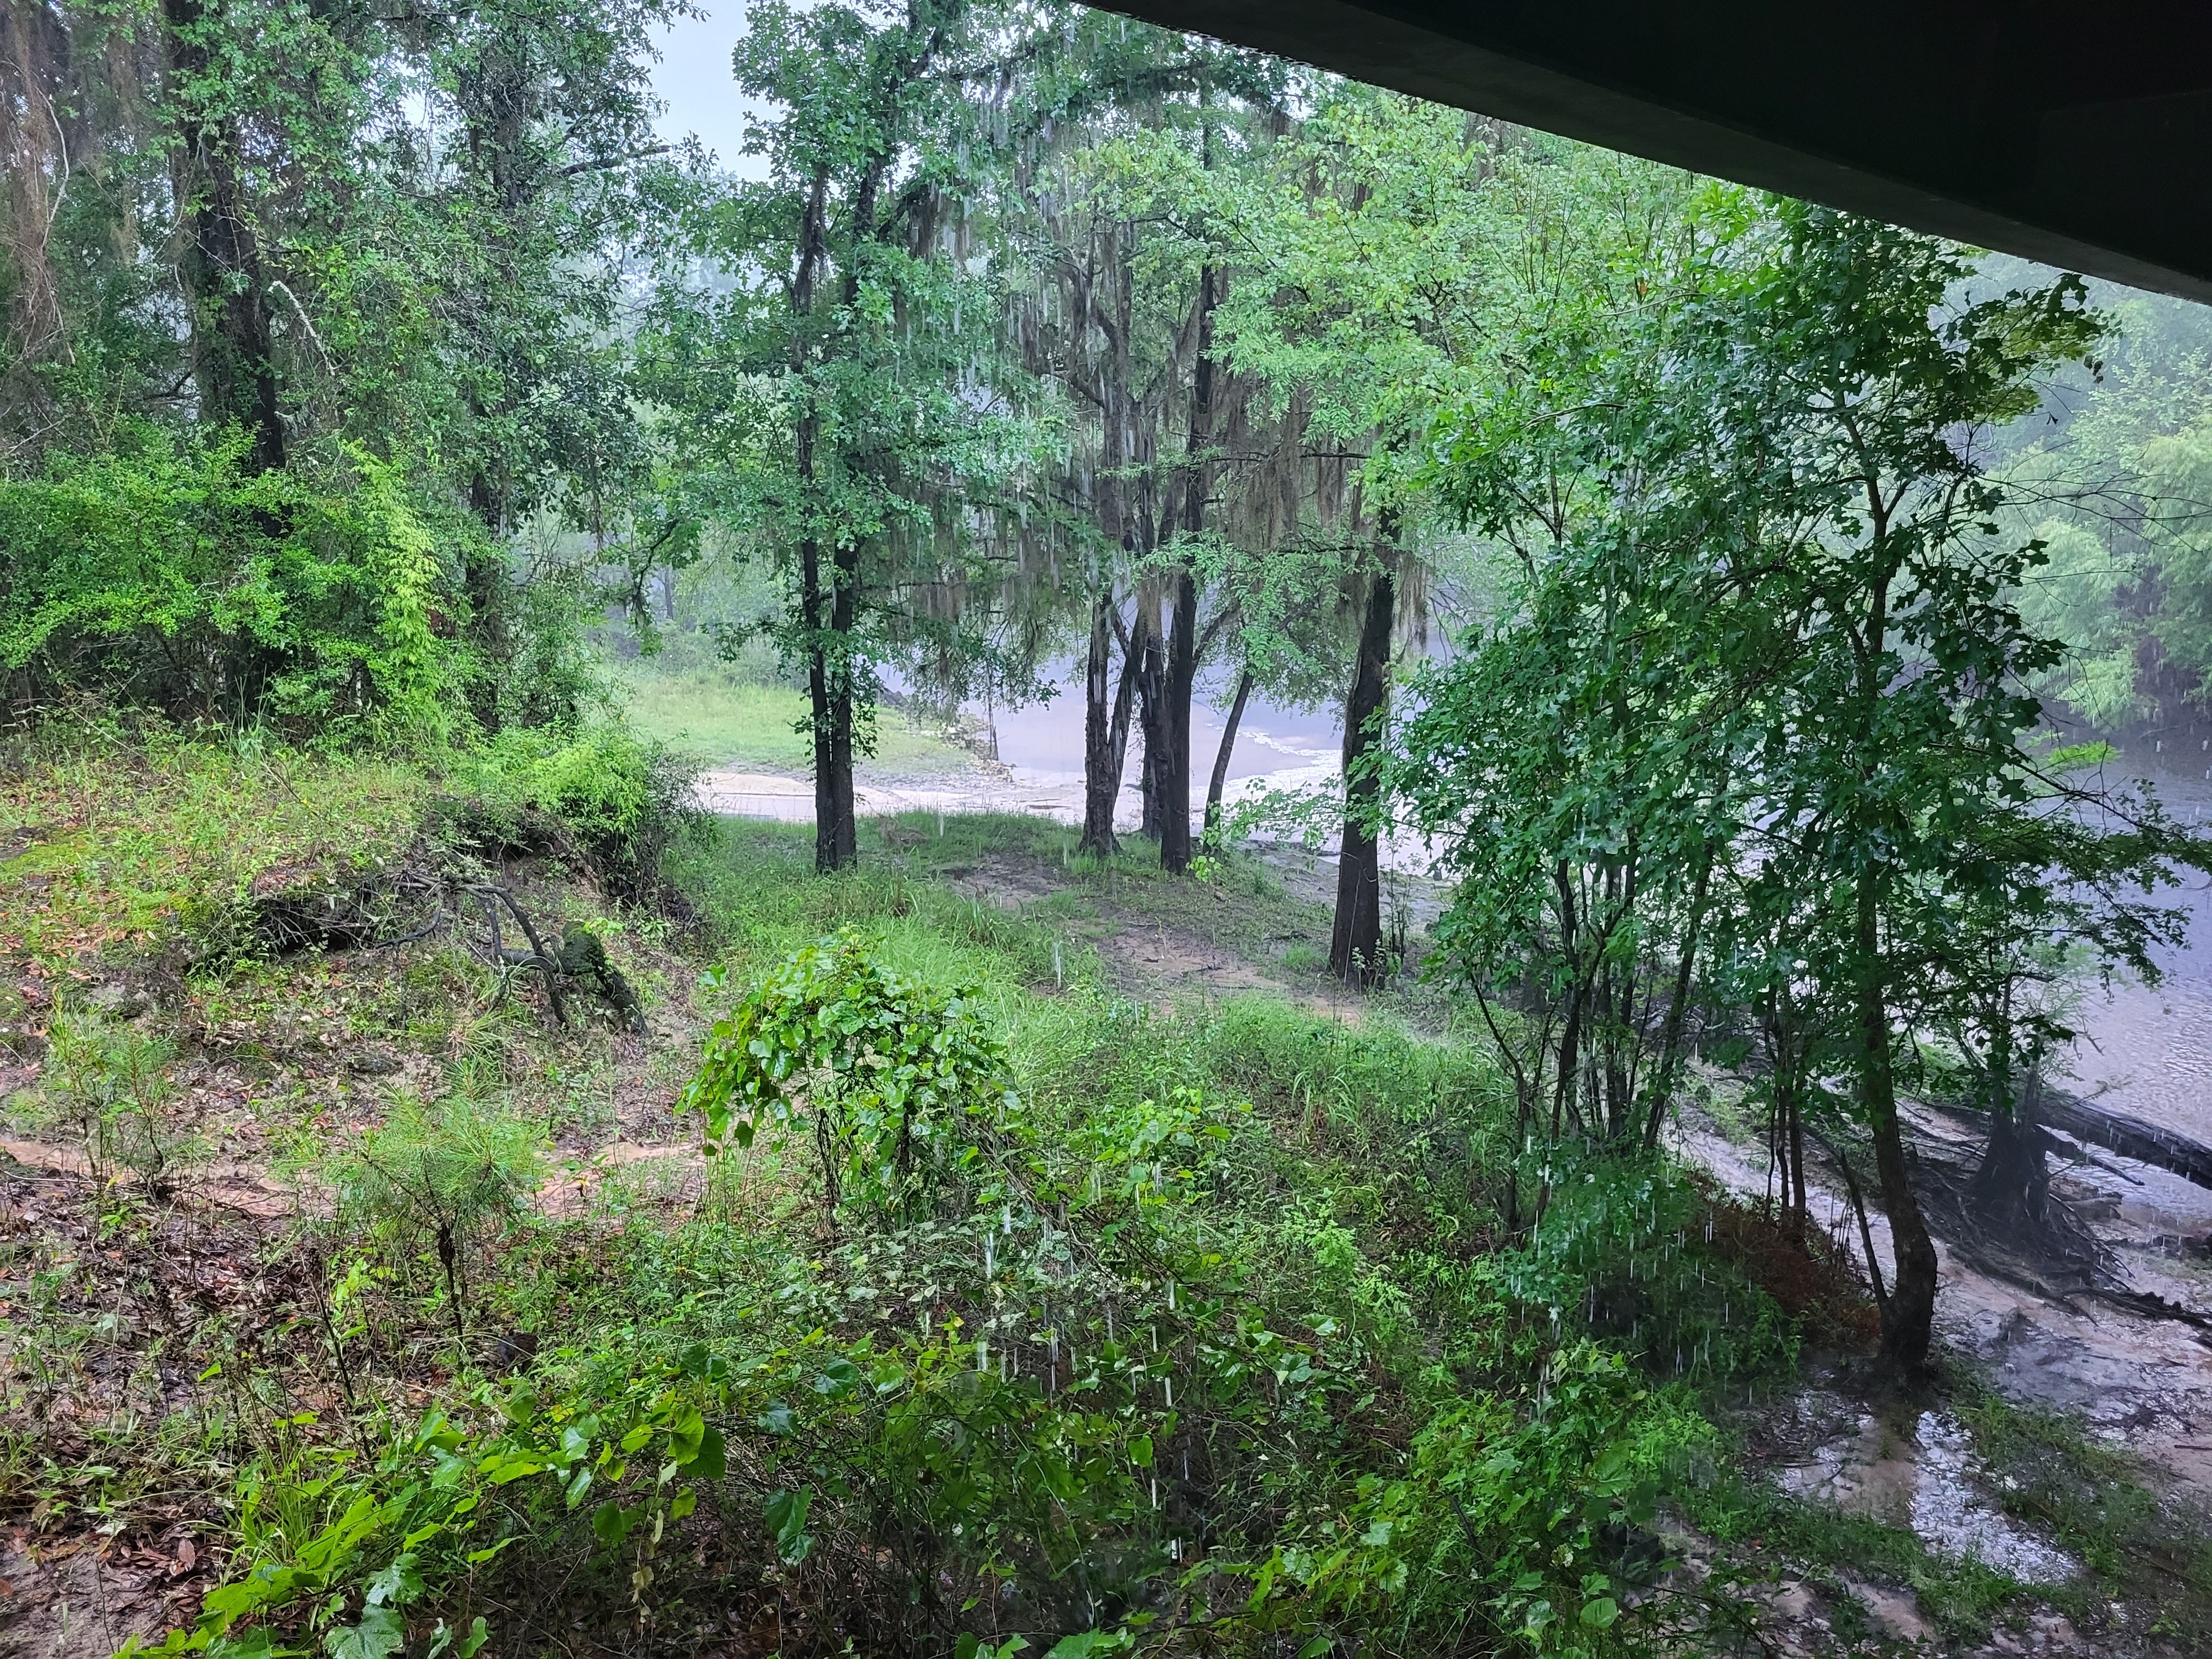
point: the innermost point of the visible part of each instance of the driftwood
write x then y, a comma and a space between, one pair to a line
577, 959
2130, 1136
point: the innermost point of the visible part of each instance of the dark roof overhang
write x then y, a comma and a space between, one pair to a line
2079, 134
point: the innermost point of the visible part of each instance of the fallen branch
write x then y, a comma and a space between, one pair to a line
2131, 1137
510, 961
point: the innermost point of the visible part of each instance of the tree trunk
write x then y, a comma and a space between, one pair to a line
829, 670
2011, 1190
1355, 949
226, 288
1777, 1152
1866, 1232
1152, 709
1796, 1113
1105, 732
828, 687
2153, 1144
836, 841
1180, 677
1570, 1028
1182, 669
818, 697
1670, 1040
1220, 778
1909, 1316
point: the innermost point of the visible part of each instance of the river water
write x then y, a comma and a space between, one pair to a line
2147, 1050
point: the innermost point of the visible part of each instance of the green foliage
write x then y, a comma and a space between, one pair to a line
623, 799
2131, 1535
435, 1179
1803, 746
142, 842
336, 1546
456, 1166
1228, 1327
1618, 1238
168, 573
2108, 474
1217, 1331
901, 1082
1532, 1513
314, 320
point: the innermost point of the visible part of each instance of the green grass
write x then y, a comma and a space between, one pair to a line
1241, 906
723, 722
121, 847
2097, 1502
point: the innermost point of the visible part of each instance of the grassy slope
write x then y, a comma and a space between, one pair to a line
725, 722
1355, 1349
131, 851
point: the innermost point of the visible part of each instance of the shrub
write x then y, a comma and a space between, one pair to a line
165, 573
895, 1081
435, 1179
1514, 1524
110, 1083
622, 801
1625, 1247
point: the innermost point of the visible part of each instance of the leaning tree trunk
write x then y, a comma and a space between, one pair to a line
1355, 949
1220, 780
1796, 1108
1909, 1314
1105, 730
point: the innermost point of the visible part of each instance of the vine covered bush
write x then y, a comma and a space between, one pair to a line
167, 573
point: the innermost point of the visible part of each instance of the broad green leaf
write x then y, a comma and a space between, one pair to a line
381, 1632
786, 1518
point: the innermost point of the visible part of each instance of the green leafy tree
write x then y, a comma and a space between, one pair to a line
845, 367
385, 252
1766, 651
1122, 284
1908, 713
1406, 253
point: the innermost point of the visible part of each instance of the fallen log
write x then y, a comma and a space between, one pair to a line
2130, 1136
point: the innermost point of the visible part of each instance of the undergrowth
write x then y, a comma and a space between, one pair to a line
999, 1308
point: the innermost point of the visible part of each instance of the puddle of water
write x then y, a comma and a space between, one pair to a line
1953, 1519
1919, 1472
